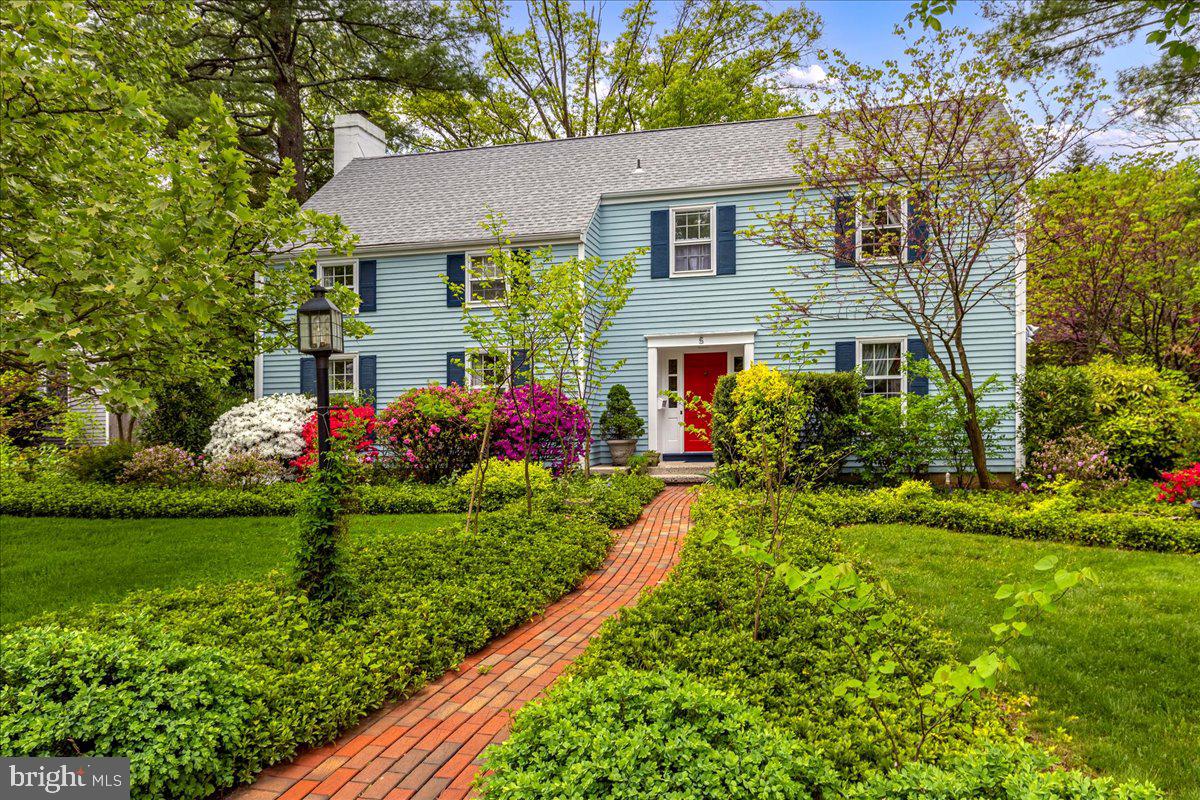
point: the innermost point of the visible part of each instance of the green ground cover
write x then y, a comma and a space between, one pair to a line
1117, 667
49, 564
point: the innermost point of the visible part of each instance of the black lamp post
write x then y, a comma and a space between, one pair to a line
319, 334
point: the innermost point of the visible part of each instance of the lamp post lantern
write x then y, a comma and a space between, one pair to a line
319, 334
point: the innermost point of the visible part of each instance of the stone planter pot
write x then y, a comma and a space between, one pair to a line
621, 450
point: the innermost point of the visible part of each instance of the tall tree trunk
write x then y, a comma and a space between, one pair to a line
976, 441
290, 140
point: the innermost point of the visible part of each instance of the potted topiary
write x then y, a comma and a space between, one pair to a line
620, 425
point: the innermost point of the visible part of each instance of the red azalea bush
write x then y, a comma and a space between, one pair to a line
540, 422
355, 421
1180, 487
434, 432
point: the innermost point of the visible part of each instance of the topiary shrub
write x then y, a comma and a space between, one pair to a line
620, 419
163, 466
434, 432
628, 734
183, 414
102, 464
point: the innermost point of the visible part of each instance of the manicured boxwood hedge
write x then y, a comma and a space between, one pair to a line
202, 688
647, 684
616, 500
1052, 519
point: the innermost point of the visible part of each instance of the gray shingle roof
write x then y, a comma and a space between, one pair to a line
544, 188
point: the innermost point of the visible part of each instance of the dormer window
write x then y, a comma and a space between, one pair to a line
880, 229
693, 246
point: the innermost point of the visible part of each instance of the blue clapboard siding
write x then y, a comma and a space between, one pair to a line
734, 302
413, 329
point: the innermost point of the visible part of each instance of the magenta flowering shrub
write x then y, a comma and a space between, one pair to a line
1078, 456
435, 432
540, 422
163, 465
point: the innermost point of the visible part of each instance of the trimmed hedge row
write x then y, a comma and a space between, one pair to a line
616, 501
204, 687
1052, 519
679, 677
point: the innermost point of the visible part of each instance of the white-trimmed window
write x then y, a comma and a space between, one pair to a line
693, 243
880, 229
338, 273
343, 377
486, 370
485, 281
882, 364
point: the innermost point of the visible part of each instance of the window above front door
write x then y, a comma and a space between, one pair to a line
693, 243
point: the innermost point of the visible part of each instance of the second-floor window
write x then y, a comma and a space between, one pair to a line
692, 242
339, 273
882, 365
880, 229
485, 281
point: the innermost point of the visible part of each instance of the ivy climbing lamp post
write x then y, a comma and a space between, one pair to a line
319, 334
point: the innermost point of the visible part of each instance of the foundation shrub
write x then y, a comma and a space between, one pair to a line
164, 466
434, 432
103, 464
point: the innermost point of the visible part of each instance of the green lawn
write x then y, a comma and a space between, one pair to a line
54, 564
1117, 667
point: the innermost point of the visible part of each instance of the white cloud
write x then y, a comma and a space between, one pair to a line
809, 75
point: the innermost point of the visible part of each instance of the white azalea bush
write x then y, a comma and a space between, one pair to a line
270, 428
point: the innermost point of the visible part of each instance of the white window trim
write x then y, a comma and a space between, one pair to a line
340, 262
344, 357
467, 300
472, 376
903, 342
858, 230
712, 236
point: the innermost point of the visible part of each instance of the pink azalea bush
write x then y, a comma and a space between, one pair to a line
434, 432
1078, 456
164, 465
357, 422
542, 423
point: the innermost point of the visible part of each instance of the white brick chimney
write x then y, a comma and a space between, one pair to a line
354, 136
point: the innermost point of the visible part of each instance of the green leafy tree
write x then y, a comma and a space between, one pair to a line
558, 78
937, 156
285, 68
129, 256
1118, 263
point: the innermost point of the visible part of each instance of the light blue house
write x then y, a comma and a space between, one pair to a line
700, 290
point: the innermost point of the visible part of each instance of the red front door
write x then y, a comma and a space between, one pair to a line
700, 374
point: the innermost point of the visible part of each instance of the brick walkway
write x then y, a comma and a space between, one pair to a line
429, 745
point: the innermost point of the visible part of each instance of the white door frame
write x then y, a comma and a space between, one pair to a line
683, 342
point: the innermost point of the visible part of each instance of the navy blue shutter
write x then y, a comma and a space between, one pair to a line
313, 272
308, 375
456, 272
726, 240
456, 369
843, 231
518, 368
918, 227
660, 244
366, 285
844, 356
917, 351
366, 379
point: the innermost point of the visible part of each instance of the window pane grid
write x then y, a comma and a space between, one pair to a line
693, 241
341, 376
486, 281
881, 229
882, 368
487, 370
